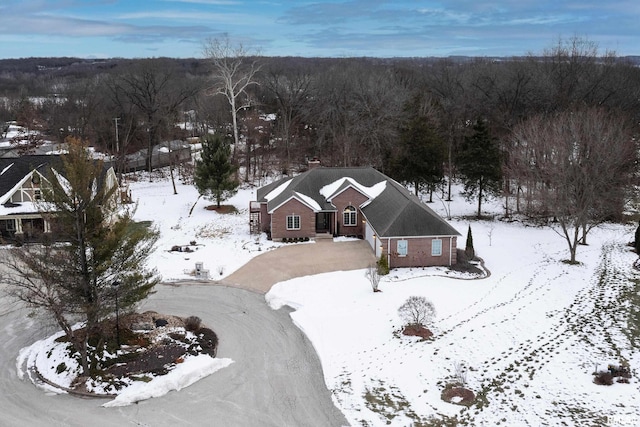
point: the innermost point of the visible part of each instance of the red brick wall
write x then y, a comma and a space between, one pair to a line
293, 207
265, 218
352, 197
419, 253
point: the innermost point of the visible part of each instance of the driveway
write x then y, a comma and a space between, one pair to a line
276, 378
288, 262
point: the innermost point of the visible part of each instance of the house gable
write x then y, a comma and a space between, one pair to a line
301, 198
306, 220
349, 197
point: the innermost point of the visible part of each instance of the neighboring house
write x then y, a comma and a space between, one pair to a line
358, 202
22, 180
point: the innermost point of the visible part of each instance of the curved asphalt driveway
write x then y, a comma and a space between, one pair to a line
288, 262
276, 378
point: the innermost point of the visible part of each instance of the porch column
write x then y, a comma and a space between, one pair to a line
47, 225
18, 225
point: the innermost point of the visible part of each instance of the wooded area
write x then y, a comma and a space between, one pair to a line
409, 118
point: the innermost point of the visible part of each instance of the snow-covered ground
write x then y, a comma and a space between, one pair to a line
223, 242
530, 335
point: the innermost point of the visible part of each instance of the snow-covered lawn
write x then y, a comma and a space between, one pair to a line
530, 335
223, 241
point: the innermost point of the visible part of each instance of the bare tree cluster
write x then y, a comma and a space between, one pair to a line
577, 166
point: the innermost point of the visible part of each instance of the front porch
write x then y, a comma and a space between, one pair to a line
23, 228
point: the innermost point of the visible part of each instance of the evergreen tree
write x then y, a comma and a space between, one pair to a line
636, 243
421, 154
469, 251
214, 174
102, 247
479, 162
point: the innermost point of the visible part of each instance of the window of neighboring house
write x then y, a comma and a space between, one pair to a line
436, 247
293, 222
37, 194
350, 216
9, 225
403, 247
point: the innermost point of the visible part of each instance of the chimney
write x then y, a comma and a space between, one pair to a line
313, 163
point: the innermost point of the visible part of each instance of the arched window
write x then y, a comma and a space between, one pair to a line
350, 216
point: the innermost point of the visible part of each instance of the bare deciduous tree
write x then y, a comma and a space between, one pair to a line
417, 310
291, 93
234, 71
152, 87
578, 165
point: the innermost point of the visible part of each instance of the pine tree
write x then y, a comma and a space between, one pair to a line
421, 153
103, 246
214, 174
480, 164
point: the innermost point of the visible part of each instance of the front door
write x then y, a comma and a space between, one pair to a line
323, 222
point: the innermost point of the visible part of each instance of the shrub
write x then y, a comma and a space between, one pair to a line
603, 378
374, 277
383, 265
306, 239
61, 368
285, 240
417, 311
192, 323
208, 341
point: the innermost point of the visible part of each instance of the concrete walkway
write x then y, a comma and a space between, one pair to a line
296, 260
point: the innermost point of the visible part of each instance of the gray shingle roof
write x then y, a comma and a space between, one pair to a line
398, 213
393, 213
21, 166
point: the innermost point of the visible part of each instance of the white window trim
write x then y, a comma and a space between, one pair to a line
406, 245
433, 252
349, 214
293, 222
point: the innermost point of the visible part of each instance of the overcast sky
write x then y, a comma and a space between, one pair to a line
338, 28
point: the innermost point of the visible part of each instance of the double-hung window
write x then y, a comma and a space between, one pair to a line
293, 222
436, 247
350, 216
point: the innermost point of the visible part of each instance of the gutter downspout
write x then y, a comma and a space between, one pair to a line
450, 250
388, 252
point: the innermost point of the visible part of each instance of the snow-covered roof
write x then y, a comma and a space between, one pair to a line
390, 209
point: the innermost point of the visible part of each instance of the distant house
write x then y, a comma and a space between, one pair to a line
358, 202
22, 180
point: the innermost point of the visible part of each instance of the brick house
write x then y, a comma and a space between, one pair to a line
358, 202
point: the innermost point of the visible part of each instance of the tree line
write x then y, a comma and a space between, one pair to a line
522, 128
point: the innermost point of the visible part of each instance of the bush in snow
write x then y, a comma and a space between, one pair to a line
192, 323
383, 265
373, 275
417, 311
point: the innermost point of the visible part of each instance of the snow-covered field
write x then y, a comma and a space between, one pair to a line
530, 335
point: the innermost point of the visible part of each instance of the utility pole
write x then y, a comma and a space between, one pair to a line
115, 119
119, 172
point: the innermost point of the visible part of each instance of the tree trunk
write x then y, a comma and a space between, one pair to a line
480, 185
